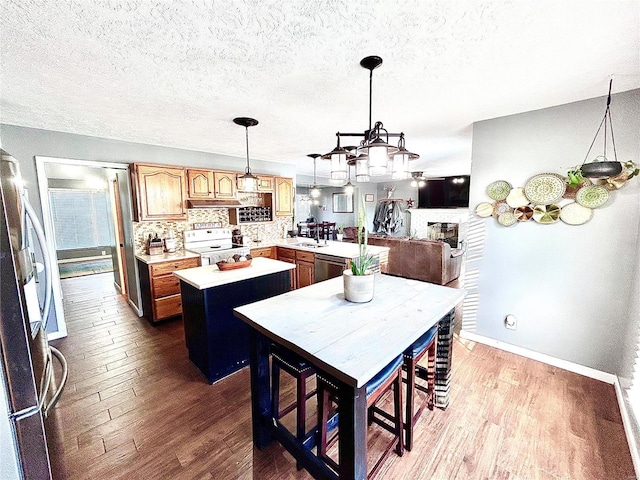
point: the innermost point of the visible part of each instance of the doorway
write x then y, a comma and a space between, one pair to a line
85, 207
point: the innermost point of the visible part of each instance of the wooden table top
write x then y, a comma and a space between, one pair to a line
352, 341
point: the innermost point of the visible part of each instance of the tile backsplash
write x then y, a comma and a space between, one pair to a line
268, 231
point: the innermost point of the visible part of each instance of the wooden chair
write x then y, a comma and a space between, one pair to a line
300, 369
389, 378
412, 355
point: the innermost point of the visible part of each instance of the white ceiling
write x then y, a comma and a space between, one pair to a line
176, 73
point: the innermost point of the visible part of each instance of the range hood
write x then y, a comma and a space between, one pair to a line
214, 203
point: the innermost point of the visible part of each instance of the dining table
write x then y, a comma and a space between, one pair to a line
351, 342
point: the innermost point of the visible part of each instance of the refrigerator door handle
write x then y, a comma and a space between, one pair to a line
48, 292
63, 381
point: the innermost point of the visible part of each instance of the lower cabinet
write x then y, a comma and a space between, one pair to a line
304, 273
267, 252
160, 289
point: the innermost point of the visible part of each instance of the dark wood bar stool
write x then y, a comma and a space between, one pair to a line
412, 355
300, 369
389, 378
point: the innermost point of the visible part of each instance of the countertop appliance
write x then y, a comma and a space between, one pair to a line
28, 389
212, 244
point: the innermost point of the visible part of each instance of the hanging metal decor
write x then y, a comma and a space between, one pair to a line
549, 197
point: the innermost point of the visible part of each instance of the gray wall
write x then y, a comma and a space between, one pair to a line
571, 287
25, 143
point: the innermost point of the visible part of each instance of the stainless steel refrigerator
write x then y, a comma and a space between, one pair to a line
28, 387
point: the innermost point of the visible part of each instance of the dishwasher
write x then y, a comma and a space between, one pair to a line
329, 266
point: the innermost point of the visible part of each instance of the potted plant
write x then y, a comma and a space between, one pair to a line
359, 279
340, 233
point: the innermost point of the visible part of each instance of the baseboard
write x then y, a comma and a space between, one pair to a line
541, 357
627, 421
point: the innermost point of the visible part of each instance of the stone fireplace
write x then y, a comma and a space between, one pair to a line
447, 224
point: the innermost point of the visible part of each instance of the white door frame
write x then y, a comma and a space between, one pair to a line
47, 221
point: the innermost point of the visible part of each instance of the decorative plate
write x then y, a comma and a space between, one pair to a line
507, 219
517, 198
545, 188
500, 208
575, 214
499, 190
546, 213
592, 196
523, 214
484, 209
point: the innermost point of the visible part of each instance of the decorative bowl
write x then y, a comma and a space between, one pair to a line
222, 266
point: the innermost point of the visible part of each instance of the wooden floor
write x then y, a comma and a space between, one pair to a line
135, 408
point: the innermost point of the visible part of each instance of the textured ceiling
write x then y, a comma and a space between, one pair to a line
176, 73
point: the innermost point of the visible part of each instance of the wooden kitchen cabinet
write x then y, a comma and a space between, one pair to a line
305, 268
267, 252
304, 273
160, 289
200, 183
211, 184
159, 192
284, 196
265, 183
224, 184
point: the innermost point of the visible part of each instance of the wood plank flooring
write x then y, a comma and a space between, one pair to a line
135, 407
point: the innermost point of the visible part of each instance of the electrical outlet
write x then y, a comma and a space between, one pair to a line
510, 322
104, 252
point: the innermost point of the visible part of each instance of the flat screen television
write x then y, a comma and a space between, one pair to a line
448, 192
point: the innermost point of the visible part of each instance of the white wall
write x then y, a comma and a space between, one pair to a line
569, 286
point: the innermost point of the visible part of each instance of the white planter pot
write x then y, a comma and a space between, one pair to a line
358, 288
339, 236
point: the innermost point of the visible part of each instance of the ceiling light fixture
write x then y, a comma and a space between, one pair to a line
374, 150
250, 181
348, 187
314, 191
418, 180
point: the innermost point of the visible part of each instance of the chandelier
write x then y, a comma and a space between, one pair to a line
374, 156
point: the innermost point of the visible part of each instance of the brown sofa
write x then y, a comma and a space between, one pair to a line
427, 260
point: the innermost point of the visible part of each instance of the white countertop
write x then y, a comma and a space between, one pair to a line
210, 276
352, 341
166, 257
337, 249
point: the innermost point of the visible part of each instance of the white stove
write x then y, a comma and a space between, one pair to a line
212, 244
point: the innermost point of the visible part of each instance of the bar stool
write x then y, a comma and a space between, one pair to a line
300, 369
412, 355
389, 378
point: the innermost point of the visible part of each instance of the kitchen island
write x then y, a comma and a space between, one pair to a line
218, 343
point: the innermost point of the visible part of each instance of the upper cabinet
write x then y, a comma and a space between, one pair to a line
160, 192
224, 184
211, 184
200, 183
265, 183
284, 196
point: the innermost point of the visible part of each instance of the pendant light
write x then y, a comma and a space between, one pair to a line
314, 191
250, 181
400, 161
348, 187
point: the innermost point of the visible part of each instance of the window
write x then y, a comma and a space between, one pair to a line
81, 218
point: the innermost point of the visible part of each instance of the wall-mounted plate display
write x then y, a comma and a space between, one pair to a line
546, 213
592, 196
517, 198
499, 190
484, 209
544, 189
507, 219
500, 208
523, 214
575, 214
